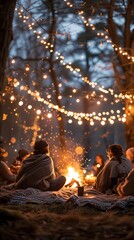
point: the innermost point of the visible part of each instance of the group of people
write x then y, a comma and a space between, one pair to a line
117, 174
37, 170
34, 169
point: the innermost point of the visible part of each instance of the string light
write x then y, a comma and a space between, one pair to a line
92, 117
68, 66
87, 116
101, 117
101, 34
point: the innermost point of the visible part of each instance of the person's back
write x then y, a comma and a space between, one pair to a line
127, 187
37, 170
117, 167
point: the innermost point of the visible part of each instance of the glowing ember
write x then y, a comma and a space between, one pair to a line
73, 175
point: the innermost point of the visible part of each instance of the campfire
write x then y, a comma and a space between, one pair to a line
76, 178
73, 178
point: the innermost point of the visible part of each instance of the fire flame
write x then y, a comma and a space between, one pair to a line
72, 174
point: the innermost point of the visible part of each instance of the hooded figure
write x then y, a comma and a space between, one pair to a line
37, 170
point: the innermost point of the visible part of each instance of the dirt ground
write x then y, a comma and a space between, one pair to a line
62, 222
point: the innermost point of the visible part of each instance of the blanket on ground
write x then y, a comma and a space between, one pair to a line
103, 202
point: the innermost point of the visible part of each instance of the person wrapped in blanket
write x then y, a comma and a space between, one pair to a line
16, 164
116, 168
37, 171
6, 176
126, 187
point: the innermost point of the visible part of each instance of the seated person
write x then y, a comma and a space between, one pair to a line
6, 176
37, 171
98, 165
130, 155
118, 166
126, 187
16, 164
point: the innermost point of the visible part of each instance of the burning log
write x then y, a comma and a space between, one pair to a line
73, 177
70, 184
80, 188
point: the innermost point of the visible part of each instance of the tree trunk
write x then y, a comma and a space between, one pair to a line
6, 36
86, 128
129, 110
52, 41
6, 18
125, 63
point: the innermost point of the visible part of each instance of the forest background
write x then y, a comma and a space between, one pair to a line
55, 58
67, 75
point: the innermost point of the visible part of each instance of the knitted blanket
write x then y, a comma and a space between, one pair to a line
35, 170
8, 195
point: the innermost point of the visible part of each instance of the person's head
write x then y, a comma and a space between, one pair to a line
99, 159
41, 147
23, 154
130, 153
115, 150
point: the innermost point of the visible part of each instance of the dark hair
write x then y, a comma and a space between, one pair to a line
41, 147
117, 151
22, 153
102, 159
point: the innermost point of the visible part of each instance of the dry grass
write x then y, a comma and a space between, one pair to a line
42, 222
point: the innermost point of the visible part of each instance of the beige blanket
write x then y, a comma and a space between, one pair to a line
36, 171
